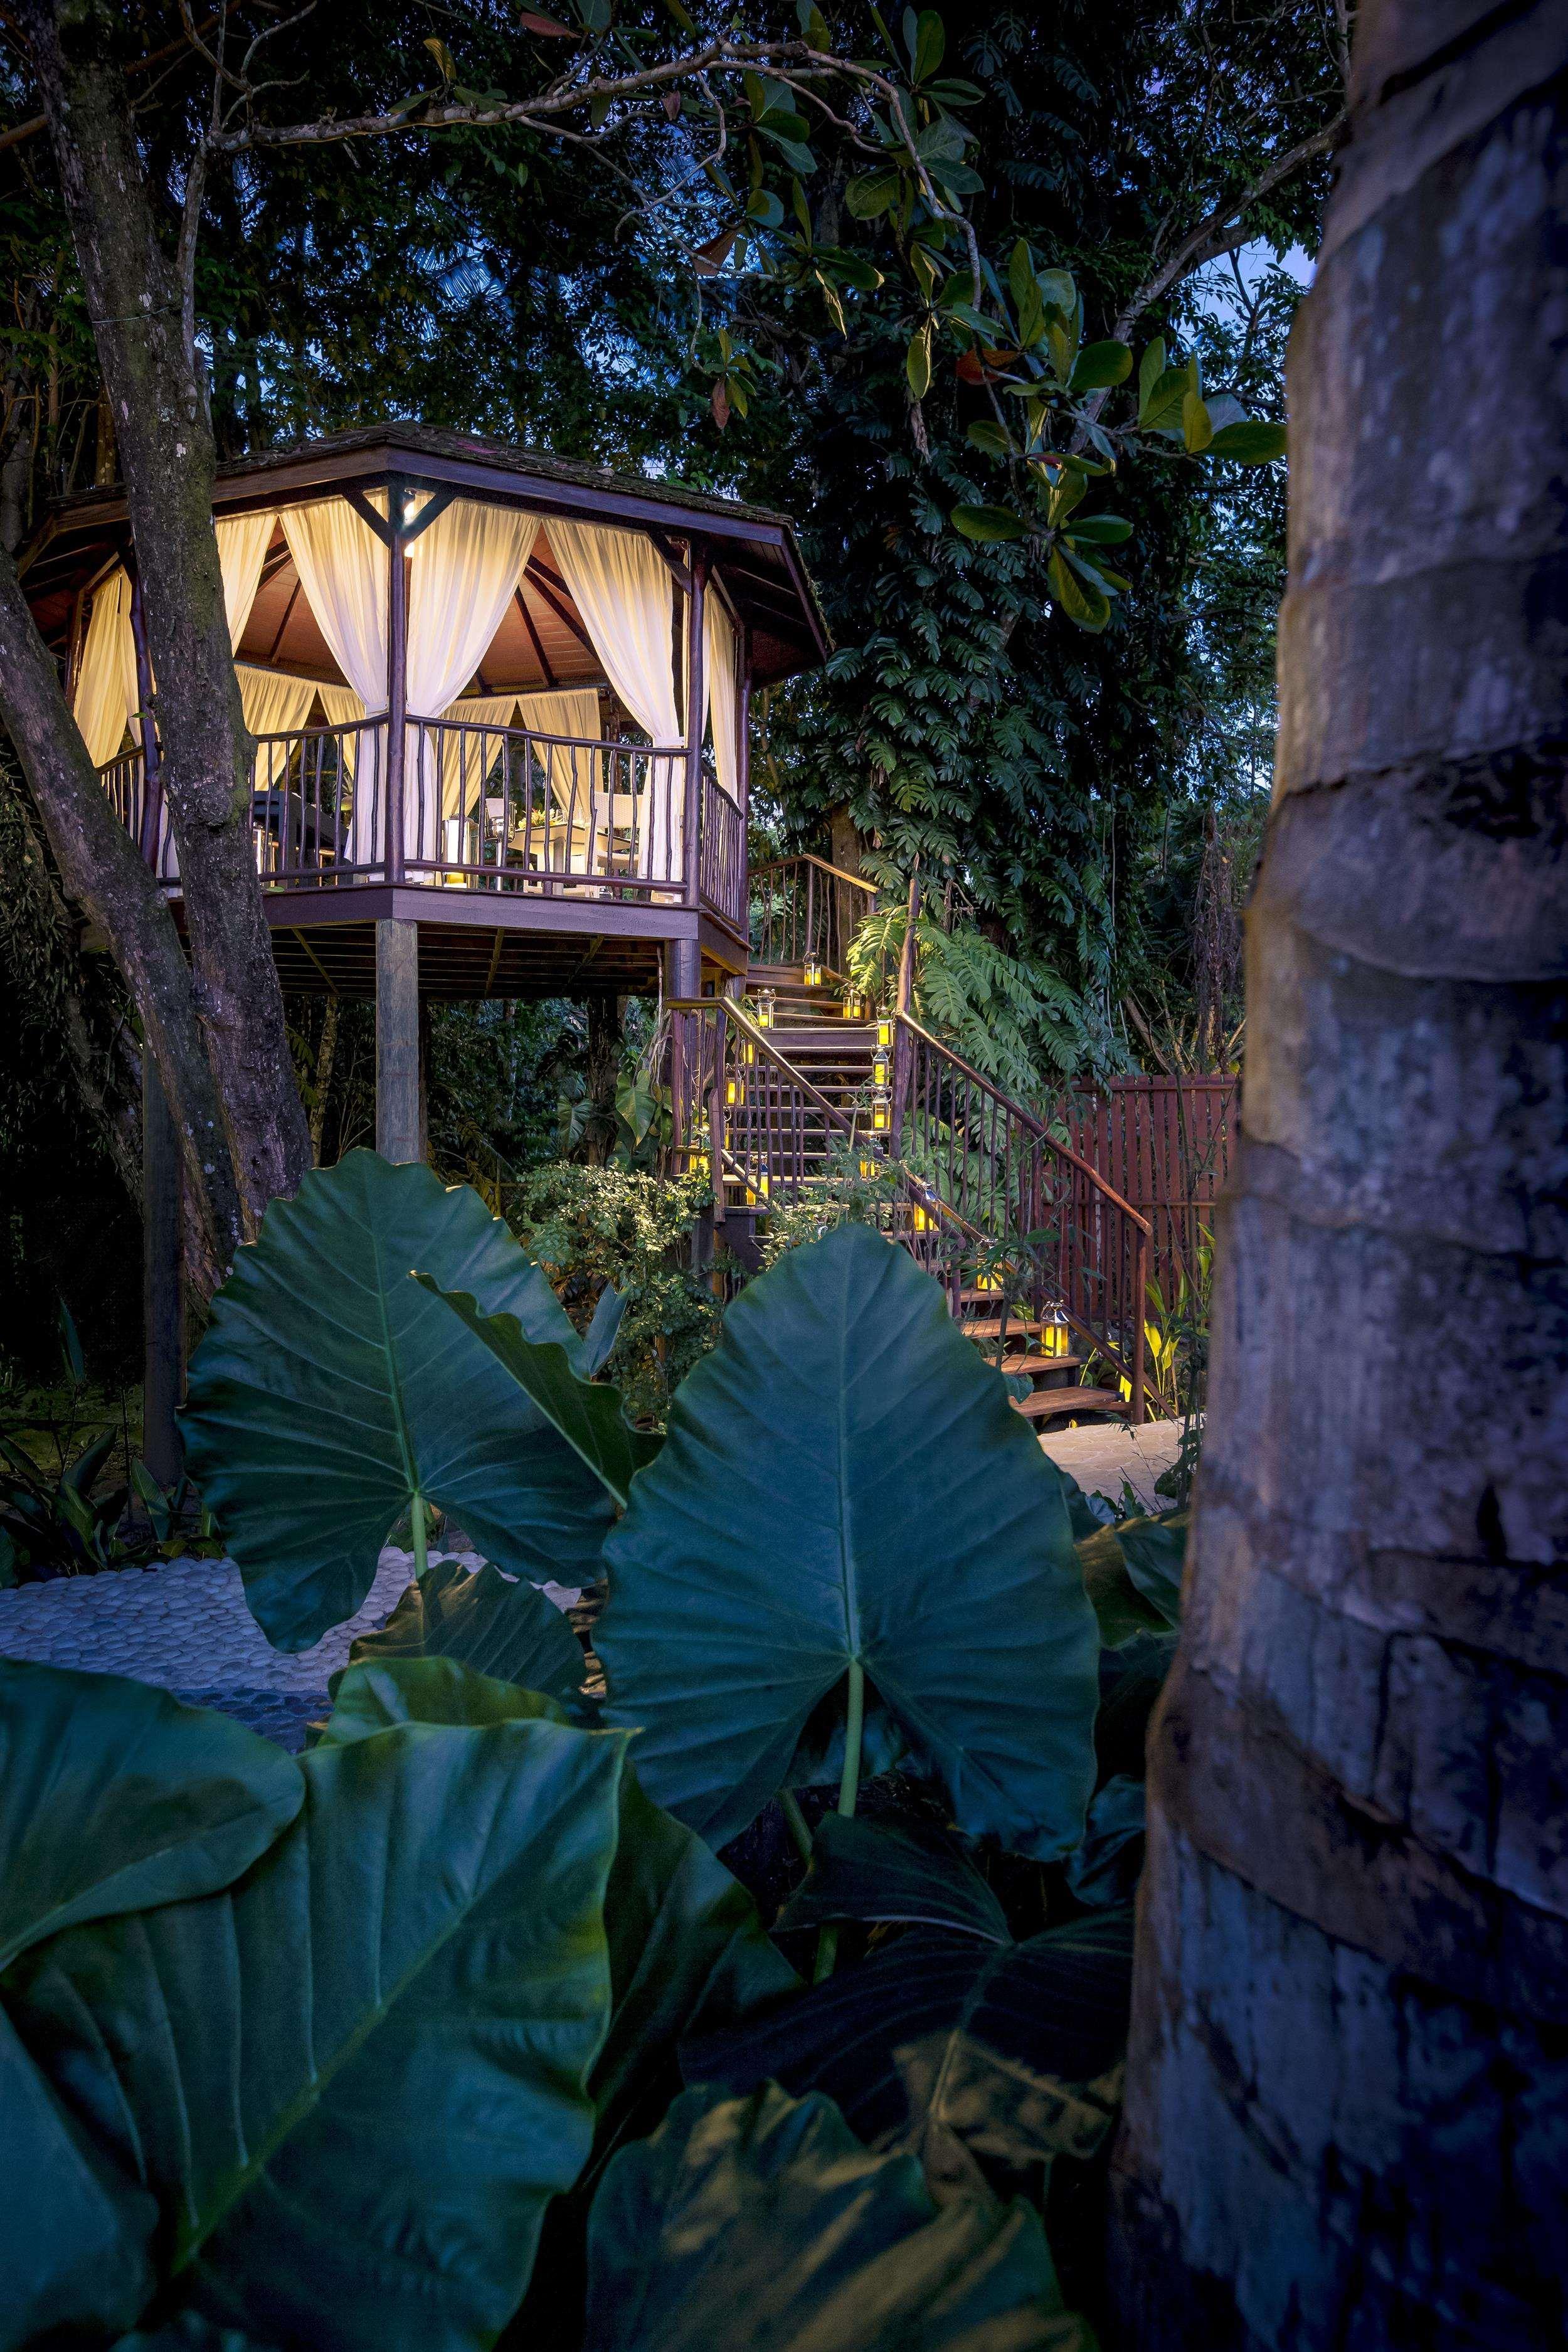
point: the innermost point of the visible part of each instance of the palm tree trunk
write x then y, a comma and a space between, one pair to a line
1347, 2113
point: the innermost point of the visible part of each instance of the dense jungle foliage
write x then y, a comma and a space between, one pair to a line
836, 1824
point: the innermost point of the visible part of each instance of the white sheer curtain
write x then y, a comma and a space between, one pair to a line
106, 696
723, 687
273, 703
624, 591
580, 805
345, 571
462, 572
242, 544
472, 774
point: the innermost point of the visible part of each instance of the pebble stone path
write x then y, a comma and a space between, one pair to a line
185, 1625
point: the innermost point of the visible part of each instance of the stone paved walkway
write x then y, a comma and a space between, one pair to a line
186, 1627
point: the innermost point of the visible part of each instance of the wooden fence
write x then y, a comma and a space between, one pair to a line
1164, 1145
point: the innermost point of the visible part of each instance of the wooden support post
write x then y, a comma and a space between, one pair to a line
396, 696
696, 693
163, 1298
399, 1097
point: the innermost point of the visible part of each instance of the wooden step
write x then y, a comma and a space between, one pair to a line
1051, 1404
992, 1330
1035, 1365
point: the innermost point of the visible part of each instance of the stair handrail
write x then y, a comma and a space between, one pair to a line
736, 1014
1027, 1117
809, 857
1129, 1353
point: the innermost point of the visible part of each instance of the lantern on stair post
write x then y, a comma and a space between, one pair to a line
881, 1111
811, 971
766, 1008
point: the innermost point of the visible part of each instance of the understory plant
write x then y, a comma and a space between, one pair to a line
590, 1228
383, 2046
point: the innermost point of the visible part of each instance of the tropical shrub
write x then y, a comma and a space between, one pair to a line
590, 1228
376, 2047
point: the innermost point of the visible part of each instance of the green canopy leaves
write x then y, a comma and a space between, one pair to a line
844, 1479
330, 1391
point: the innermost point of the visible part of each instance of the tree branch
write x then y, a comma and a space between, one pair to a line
1221, 230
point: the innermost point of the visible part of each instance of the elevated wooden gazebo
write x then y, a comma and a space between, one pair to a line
500, 709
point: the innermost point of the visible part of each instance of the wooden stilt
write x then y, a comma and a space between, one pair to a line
163, 1300
399, 1097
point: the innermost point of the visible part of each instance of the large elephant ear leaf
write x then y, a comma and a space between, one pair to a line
846, 1482
907, 1872
354, 2079
587, 1414
952, 2048
768, 2204
498, 1627
114, 1797
330, 1391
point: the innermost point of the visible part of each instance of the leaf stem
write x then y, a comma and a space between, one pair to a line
848, 1791
416, 1520
795, 1821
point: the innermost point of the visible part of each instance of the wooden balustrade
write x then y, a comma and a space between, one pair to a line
805, 911
483, 807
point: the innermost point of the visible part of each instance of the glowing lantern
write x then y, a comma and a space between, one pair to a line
811, 972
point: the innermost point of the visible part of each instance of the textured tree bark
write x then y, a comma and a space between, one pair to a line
1347, 2113
134, 295
117, 892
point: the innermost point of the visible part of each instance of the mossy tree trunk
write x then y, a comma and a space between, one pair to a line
219, 1035
1348, 2110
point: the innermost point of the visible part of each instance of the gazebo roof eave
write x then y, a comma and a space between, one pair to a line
424, 456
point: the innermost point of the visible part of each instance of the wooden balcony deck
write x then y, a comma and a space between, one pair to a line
534, 865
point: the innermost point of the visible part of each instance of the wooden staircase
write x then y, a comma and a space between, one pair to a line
780, 1098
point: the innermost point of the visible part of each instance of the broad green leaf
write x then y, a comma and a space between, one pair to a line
1021, 274
687, 1949
1121, 1609
114, 1797
1253, 444
1150, 368
917, 362
1163, 407
1132, 1676
353, 2080
378, 1696
819, 1759
868, 197
76, 2230
985, 434
1101, 530
1031, 317
1155, 1551
1058, 288
893, 1869
767, 2208
764, 207
1224, 409
941, 2043
586, 1415
1082, 604
987, 523
505, 1629
595, 1348
331, 1389
1099, 364
845, 1480
930, 45
1105, 1868
1197, 431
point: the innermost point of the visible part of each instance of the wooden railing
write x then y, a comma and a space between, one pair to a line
1064, 1240
805, 912
487, 808
768, 1138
